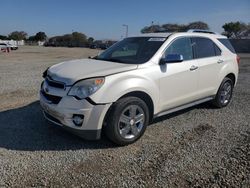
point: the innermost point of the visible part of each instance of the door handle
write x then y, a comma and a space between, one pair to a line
193, 67
220, 61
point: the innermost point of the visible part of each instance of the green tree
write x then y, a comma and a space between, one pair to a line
40, 36
79, 39
152, 29
18, 35
174, 27
170, 27
3, 37
32, 38
198, 25
236, 30
90, 40
232, 29
76, 39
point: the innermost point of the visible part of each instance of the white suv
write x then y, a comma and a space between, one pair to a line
137, 79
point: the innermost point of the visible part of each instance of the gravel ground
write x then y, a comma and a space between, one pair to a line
197, 147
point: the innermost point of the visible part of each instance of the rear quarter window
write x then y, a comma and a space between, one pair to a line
227, 44
205, 47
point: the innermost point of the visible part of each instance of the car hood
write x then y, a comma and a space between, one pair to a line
71, 71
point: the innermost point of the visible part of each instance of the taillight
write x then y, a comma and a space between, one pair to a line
238, 59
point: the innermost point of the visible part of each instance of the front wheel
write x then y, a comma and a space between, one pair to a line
127, 120
224, 94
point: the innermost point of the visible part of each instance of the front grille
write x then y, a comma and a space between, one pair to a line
54, 83
52, 98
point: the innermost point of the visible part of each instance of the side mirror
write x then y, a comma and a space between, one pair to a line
172, 58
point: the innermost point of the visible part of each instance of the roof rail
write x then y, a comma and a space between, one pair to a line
201, 31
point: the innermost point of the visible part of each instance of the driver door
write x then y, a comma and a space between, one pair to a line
179, 81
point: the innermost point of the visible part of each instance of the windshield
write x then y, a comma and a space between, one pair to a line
135, 50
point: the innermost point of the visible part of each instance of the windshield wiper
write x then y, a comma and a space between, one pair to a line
116, 60
111, 59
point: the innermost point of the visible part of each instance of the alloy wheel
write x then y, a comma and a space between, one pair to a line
226, 93
131, 121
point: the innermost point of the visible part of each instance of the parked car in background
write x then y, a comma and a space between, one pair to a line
137, 79
104, 46
13, 46
93, 46
3, 47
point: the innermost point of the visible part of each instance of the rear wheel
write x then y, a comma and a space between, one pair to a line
224, 94
127, 120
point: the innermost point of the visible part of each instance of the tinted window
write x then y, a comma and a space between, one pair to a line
181, 46
205, 48
217, 50
227, 43
127, 50
134, 50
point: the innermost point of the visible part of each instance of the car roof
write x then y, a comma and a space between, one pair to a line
197, 34
154, 35
200, 34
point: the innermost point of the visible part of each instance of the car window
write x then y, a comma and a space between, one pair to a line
134, 50
217, 50
227, 44
128, 50
205, 47
181, 46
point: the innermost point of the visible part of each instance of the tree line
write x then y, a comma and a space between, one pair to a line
22, 35
234, 30
75, 39
169, 27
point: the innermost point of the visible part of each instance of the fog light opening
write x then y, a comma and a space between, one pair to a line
78, 119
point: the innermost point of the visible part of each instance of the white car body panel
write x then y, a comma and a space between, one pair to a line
118, 85
72, 71
178, 84
169, 86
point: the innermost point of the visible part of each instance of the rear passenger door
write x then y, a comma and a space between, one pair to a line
210, 62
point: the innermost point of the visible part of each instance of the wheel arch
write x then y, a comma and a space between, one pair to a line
229, 74
232, 77
145, 97
141, 95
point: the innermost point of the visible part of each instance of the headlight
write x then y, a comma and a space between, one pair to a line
85, 88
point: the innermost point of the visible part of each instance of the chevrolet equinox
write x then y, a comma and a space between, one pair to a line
137, 79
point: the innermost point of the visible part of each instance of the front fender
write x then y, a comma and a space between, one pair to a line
120, 84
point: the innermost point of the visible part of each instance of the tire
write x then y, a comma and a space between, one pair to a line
127, 121
224, 94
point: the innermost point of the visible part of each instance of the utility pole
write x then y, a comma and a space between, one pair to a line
124, 25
